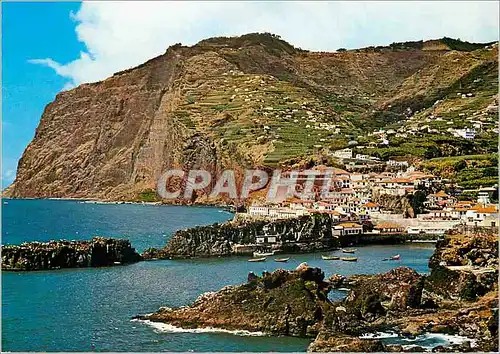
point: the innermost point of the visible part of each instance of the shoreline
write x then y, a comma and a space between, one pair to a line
400, 304
226, 207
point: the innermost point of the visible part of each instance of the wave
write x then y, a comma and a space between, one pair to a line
167, 328
379, 335
427, 340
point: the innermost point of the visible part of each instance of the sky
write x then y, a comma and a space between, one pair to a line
49, 47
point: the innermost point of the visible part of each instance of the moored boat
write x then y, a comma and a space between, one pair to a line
349, 259
263, 254
330, 258
282, 259
261, 259
349, 251
393, 258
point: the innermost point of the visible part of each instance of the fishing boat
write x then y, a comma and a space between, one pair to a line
348, 251
349, 259
261, 259
393, 258
263, 254
330, 258
281, 259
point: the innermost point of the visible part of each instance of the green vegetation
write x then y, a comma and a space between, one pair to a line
457, 44
148, 195
471, 171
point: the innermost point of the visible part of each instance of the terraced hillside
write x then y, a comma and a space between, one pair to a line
255, 100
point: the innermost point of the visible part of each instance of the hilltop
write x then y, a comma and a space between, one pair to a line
258, 101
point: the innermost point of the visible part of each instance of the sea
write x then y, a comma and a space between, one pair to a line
92, 309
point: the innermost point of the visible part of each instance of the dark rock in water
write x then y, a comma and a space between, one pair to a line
456, 271
397, 290
280, 303
295, 303
347, 344
98, 252
336, 280
252, 276
394, 348
305, 234
415, 349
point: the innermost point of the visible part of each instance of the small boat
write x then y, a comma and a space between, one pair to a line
349, 259
343, 289
393, 258
261, 259
281, 259
263, 254
117, 263
348, 251
330, 258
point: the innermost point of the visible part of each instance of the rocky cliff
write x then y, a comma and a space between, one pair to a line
305, 234
400, 301
98, 252
249, 101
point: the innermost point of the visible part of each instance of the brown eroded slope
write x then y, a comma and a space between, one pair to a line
240, 102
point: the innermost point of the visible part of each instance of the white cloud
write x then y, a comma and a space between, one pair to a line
119, 35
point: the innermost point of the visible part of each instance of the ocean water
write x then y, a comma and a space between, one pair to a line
91, 309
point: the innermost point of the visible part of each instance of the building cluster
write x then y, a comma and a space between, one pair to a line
350, 202
468, 213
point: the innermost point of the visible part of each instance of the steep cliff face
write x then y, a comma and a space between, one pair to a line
249, 101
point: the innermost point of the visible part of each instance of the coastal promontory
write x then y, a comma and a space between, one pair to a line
458, 297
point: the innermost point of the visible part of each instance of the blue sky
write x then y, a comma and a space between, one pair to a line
47, 47
31, 30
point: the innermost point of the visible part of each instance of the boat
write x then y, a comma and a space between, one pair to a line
117, 263
261, 259
395, 258
343, 289
348, 251
263, 254
349, 259
330, 258
282, 259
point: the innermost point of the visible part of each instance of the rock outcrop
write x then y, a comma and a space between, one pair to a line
305, 234
98, 252
401, 301
279, 303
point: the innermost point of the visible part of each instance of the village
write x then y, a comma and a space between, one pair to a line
353, 207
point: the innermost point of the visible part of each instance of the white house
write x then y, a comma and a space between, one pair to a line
466, 133
484, 195
347, 228
482, 216
343, 154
